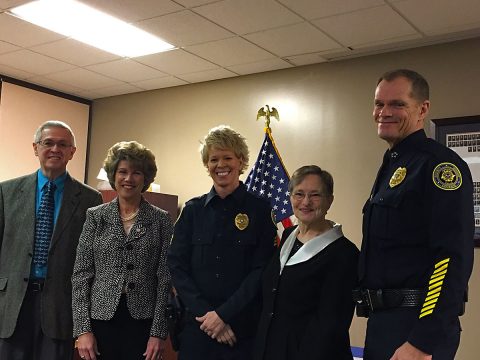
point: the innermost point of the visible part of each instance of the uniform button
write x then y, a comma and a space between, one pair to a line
271, 314
129, 247
131, 285
381, 199
130, 267
274, 290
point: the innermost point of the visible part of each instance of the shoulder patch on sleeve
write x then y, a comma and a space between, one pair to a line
274, 220
447, 176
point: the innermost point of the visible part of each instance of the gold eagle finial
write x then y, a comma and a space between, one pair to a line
262, 113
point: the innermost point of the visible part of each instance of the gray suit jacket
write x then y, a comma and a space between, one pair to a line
17, 231
108, 260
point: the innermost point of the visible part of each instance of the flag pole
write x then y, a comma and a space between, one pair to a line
262, 112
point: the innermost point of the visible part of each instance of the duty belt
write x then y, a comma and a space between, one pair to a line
368, 300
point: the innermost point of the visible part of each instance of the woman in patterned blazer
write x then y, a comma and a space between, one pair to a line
120, 279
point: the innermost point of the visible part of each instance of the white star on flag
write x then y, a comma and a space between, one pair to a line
279, 181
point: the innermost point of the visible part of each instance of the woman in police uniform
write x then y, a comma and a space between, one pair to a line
221, 243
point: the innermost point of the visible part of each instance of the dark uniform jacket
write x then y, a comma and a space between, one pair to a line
418, 232
307, 310
216, 265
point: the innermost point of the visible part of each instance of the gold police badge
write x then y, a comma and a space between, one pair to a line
447, 176
398, 176
241, 221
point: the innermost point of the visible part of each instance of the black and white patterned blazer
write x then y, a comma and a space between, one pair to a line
107, 260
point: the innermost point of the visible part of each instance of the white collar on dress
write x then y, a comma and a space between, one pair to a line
310, 248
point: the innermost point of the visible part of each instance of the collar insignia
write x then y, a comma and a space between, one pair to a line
398, 176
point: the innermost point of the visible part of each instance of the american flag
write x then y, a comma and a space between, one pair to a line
269, 179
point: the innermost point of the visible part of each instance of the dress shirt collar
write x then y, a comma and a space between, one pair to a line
42, 180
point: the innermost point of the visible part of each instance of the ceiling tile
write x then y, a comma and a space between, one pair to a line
84, 79
313, 9
117, 90
126, 70
74, 52
52, 84
435, 17
248, 16
8, 4
6, 47
32, 62
159, 83
232, 51
208, 75
292, 40
366, 26
14, 73
306, 59
22, 33
176, 62
260, 66
184, 28
192, 3
134, 10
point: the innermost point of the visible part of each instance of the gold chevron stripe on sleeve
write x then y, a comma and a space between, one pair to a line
435, 287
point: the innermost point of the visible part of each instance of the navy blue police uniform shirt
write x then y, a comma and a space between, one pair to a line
418, 228
218, 252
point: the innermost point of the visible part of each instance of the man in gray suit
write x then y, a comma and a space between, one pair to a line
35, 295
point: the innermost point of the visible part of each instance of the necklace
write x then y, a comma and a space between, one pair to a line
130, 217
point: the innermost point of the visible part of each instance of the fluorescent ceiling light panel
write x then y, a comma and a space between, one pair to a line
88, 25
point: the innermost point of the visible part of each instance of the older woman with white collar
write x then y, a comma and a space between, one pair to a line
307, 286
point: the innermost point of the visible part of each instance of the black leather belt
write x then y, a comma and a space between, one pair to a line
35, 285
368, 300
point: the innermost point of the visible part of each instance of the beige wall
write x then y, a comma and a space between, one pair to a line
22, 110
326, 119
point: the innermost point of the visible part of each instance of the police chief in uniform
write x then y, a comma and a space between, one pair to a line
418, 225
221, 243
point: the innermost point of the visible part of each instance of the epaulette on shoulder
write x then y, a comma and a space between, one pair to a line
440, 151
196, 199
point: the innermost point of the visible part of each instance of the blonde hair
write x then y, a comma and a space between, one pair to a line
225, 138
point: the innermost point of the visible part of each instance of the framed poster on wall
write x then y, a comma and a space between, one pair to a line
462, 135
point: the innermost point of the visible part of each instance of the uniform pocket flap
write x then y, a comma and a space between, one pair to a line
3, 284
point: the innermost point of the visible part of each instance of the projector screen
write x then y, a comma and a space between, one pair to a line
22, 110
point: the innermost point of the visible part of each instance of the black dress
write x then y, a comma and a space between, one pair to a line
307, 310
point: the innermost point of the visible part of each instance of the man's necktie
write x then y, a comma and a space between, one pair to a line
44, 225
